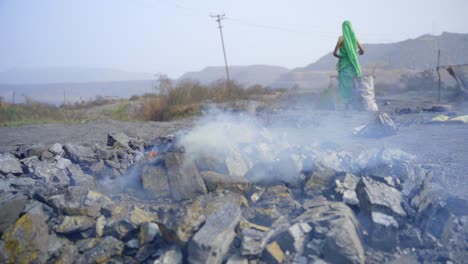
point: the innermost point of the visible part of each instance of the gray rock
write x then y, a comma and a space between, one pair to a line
252, 242
5, 185
47, 156
107, 248
48, 172
80, 154
34, 150
215, 181
56, 149
178, 224
184, 180
172, 255
339, 230
377, 196
347, 189
383, 126
384, 232
34, 207
321, 178
118, 140
210, 162
73, 224
237, 259
132, 244
103, 153
63, 163
67, 254
154, 181
11, 205
397, 164
419, 199
410, 238
146, 253
80, 178
84, 245
100, 224
27, 241
275, 202
212, 241
148, 231
9, 164
292, 239
314, 247
79, 201
236, 164
97, 168
121, 229
112, 164
438, 221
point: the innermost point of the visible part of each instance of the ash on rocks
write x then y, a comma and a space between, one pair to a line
230, 190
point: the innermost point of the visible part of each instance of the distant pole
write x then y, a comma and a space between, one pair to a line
218, 19
13, 98
438, 74
64, 97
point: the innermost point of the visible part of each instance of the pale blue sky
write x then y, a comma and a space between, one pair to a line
176, 36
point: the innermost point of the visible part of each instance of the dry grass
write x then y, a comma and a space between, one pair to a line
32, 112
179, 101
186, 98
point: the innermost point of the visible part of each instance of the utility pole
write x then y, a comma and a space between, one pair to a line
438, 73
218, 19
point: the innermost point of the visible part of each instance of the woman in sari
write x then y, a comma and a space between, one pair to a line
348, 67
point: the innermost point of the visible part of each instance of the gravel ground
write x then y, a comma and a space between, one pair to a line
444, 147
90, 133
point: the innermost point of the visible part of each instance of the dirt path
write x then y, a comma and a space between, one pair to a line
88, 133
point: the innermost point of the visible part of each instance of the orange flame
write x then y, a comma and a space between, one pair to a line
152, 154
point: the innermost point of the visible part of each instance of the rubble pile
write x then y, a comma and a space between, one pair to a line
111, 204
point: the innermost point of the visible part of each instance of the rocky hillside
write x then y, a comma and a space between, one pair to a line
247, 75
414, 54
388, 62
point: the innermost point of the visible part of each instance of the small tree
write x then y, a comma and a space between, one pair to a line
165, 84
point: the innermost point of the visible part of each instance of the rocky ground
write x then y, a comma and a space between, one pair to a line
299, 186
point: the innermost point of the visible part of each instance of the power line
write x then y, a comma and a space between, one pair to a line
314, 33
218, 19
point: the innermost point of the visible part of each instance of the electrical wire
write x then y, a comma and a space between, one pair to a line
310, 32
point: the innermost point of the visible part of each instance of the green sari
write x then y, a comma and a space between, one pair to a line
348, 64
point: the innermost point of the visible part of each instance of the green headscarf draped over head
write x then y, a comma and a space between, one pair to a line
350, 44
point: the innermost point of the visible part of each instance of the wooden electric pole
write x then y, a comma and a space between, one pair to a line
218, 19
438, 74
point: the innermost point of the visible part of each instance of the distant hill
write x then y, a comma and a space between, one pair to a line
388, 62
414, 54
68, 75
247, 75
58, 93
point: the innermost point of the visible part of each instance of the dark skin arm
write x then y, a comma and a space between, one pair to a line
337, 47
340, 42
361, 49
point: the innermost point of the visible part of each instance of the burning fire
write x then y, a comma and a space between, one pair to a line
152, 154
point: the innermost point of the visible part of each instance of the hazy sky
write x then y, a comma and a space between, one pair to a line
176, 36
